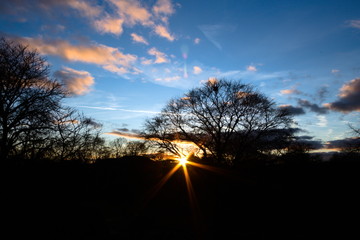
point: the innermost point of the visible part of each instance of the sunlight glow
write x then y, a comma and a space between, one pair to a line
183, 161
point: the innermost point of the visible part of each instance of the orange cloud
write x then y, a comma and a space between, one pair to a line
160, 57
197, 70
76, 82
132, 12
109, 25
108, 57
84, 7
139, 39
163, 32
348, 97
163, 7
289, 91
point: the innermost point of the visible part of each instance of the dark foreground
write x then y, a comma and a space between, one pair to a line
118, 199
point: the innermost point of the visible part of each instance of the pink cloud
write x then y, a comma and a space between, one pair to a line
139, 39
197, 70
349, 98
107, 57
109, 25
163, 32
160, 57
251, 68
76, 82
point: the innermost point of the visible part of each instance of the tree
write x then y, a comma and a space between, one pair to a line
118, 147
227, 120
77, 137
29, 99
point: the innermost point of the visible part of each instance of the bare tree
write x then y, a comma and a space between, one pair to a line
136, 148
118, 147
77, 137
28, 99
224, 119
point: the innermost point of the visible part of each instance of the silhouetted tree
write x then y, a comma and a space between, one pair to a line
77, 137
225, 119
118, 147
136, 148
28, 100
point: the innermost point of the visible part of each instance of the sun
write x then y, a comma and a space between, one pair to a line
182, 161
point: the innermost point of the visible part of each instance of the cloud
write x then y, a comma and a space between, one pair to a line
168, 79
109, 58
83, 7
126, 135
163, 32
160, 57
343, 143
307, 140
349, 98
21, 6
110, 25
313, 106
139, 39
214, 32
163, 7
322, 92
289, 91
335, 70
251, 68
293, 110
322, 121
197, 70
76, 82
197, 40
354, 23
132, 12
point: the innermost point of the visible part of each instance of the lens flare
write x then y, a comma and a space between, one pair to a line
182, 161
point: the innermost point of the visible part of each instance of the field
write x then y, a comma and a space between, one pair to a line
128, 199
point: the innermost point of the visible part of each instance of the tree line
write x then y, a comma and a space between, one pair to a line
225, 122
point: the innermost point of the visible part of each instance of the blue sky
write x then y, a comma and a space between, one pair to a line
124, 60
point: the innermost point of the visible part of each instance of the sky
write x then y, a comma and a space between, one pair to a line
123, 60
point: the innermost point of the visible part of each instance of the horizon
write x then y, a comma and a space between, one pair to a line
124, 60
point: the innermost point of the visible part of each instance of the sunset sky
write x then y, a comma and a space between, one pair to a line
124, 60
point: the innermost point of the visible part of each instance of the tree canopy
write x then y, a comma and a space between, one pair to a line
227, 120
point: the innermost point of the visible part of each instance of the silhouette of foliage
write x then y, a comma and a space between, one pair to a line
226, 120
29, 99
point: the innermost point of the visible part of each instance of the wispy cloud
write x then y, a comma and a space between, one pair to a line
162, 31
127, 135
120, 109
168, 79
289, 91
354, 23
160, 57
139, 39
214, 32
322, 121
197, 40
76, 82
197, 70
